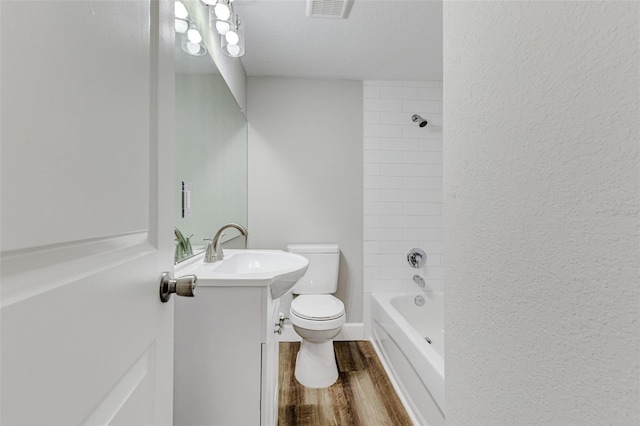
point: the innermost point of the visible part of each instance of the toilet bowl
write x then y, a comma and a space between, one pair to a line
317, 319
316, 315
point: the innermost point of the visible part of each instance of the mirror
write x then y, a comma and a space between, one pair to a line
211, 152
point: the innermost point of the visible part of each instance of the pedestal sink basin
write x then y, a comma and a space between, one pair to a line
277, 269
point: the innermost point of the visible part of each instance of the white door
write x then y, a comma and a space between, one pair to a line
86, 192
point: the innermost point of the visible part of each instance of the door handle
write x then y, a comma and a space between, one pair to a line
181, 286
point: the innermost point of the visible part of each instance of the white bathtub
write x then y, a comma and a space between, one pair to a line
399, 329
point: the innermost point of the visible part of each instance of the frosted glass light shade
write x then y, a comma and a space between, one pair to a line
232, 37
180, 11
194, 49
182, 25
222, 10
194, 36
222, 27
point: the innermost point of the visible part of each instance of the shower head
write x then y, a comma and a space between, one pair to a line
417, 119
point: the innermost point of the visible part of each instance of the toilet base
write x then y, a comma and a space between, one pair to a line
316, 366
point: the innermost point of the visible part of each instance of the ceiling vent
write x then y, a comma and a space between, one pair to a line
329, 8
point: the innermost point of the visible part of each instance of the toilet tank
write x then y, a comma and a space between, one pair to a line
322, 275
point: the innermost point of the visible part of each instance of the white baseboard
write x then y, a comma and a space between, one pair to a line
350, 331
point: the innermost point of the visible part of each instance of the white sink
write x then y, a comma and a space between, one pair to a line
277, 269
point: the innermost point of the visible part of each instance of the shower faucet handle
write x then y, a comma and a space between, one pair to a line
416, 258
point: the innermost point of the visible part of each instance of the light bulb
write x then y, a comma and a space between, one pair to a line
222, 27
232, 37
222, 11
181, 25
180, 11
209, 2
233, 49
193, 48
194, 36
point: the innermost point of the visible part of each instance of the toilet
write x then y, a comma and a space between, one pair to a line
316, 315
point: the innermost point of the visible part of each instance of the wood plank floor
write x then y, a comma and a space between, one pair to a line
363, 394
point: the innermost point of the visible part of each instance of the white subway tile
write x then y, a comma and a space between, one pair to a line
386, 182
382, 83
433, 259
422, 183
422, 157
426, 234
383, 157
418, 132
371, 246
433, 273
371, 169
423, 108
399, 221
400, 273
430, 93
430, 221
383, 260
427, 144
385, 286
398, 144
382, 234
371, 92
372, 221
375, 207
431, 246
429, 170
427, 196
433, 119
384, 105
433, 209
399, 170
371, 272
382, 130
372, 195
371, 143
400, 118
398, 247
399, 195
372, 117
398, 92
420, 83
428, 132
434, 285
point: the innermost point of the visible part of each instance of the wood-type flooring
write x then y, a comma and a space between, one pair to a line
363, 394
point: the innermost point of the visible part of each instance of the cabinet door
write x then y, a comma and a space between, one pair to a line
270, 370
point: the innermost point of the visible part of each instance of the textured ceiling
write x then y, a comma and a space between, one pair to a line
380, 40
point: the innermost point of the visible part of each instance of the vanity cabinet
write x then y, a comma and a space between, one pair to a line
226, 357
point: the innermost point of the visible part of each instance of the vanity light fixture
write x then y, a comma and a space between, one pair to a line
224, 20
191, 37
232, 42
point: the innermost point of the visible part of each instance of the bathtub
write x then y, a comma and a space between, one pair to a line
399, 330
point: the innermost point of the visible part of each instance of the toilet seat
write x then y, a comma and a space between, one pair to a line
317, 307
317, 312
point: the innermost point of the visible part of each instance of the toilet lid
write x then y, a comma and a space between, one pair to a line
317, 307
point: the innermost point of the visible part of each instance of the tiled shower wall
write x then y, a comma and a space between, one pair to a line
402, 186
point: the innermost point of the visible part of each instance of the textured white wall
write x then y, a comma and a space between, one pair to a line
305, 171
541, 207
402, 186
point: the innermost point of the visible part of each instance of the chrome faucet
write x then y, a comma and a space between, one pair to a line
214, 247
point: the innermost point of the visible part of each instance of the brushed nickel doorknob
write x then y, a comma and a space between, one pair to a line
181, 286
